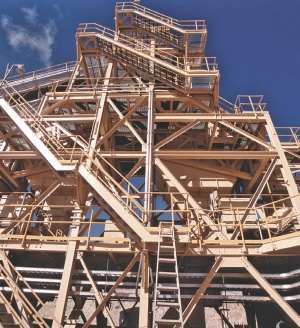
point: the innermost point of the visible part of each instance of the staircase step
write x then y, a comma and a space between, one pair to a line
167, 288
173, 74
167, 304
6, 317
167, 274
166, 247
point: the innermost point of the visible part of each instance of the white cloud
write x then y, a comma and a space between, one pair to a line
30, 15
56, 7
39, 38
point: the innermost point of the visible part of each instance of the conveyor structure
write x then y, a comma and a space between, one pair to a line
97, 156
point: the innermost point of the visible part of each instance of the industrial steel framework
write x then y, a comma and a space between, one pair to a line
128, 153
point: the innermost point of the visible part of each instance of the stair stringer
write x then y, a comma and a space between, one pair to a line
34, 141
129, 221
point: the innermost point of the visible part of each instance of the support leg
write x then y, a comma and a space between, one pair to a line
144, 291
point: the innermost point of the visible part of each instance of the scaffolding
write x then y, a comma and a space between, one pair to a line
133, 195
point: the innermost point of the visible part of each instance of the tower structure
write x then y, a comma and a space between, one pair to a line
126, 178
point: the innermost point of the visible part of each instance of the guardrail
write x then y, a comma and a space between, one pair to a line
248, 103
289, 134
267, 221
182, 63
188, 25
42, 77
132, 198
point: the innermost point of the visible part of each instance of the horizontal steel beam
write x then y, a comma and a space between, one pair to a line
196, 275
210, 117
82, 118
193, 250
221, 286
193, 154
15, 154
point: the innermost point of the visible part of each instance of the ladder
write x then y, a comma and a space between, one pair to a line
166, 294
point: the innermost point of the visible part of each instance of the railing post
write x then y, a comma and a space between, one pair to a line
27, 226
89, 230
242, 232
172, 209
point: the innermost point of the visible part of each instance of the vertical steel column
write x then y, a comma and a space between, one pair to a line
149, 156
144, 291
65, 285
66, 277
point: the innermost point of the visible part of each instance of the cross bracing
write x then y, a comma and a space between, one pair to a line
97, 155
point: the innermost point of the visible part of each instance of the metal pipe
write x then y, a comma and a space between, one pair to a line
279, 324
131, 274
131, 296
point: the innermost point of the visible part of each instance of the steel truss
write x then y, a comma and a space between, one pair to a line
95, 154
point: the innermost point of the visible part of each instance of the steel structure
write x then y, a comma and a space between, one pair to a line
127, 153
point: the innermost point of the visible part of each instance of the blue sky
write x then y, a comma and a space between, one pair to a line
256, 42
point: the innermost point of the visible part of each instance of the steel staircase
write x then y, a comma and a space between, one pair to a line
143, 61
35, 122
196, 74
164, 294
41, 78
30, 121
164, 32
131, 17
9, 317
130, 52
161, 31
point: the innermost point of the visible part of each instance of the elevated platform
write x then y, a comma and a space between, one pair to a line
126, 179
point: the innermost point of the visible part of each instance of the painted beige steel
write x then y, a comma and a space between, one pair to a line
131, 134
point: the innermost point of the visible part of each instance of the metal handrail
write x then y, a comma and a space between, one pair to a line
34, 120
266, 222
186, 25
250, 102
41, 77
183, 63
43, 72
126, 195
288, 134
31, 309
